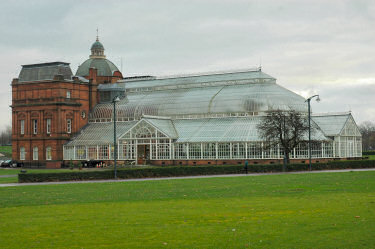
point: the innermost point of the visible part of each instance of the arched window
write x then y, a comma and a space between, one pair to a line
35, 153
22, 153
48, 153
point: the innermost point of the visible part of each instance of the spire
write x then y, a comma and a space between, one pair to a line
97, 48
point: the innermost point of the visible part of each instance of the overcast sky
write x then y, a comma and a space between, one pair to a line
311, 47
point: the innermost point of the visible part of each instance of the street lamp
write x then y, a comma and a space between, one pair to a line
114, 101
309, 110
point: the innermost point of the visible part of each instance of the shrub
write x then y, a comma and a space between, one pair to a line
71, 165
367, 153
169, 171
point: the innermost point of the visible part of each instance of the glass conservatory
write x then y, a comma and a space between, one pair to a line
203, 117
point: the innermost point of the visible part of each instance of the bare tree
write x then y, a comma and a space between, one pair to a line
367, 129
287, 128
6, 135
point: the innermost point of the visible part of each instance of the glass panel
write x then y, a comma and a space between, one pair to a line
80, 152
238, 150
209, 150
194, 150
180, 151
224, 150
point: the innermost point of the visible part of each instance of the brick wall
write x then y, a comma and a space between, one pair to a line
57, 100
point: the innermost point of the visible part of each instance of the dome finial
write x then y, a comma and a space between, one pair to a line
97, 34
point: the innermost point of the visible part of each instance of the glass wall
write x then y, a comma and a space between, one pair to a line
165, 149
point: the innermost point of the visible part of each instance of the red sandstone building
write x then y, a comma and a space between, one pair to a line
50, 105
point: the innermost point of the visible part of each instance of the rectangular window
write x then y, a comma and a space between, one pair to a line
22, 153
69, 125
22, 126
48, 126
68, 152
35, 126
194, 150
68, 94
209, 150
224, 150
103, 152
48, 153
35, 153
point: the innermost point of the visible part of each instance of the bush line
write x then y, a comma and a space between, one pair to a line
168, 171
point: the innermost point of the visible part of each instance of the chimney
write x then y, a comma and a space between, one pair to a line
93, 72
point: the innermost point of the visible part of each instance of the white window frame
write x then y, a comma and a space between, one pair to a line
35, 126
22, 153
68, 94
69, 125
48, 125
49, 153
22, 127
35, 153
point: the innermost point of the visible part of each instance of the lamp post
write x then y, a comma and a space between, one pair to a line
114, 101
309, 116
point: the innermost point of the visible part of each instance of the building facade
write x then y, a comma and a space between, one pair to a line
178, 120
50, 105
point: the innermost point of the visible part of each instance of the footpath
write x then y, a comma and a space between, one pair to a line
182, 177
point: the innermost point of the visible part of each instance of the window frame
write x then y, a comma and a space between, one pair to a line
22, 127
48, 125
22, 153
69, 125
35, 126
35, 153
49, 153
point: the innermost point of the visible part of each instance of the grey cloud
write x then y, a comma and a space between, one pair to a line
306, 45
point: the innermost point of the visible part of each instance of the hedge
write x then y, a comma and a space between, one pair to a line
186, 171
367, 153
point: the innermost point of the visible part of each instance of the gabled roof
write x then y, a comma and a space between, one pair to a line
332, 124
161, 124
165, 125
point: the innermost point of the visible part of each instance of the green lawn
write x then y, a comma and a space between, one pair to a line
325, 210
6, 151
8, 171
12, 179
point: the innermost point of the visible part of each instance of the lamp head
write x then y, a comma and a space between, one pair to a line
116, 99
318, 99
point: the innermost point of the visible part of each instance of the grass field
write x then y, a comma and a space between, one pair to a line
326, 210
6, 150
16, 171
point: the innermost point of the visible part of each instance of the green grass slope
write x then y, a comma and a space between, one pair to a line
325, 210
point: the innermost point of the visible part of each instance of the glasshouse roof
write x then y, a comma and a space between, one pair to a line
183, 130
241, 92
99, 133
244, 75
331, 124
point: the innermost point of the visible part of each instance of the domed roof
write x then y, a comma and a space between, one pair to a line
98, 61
104, 67
97, 45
